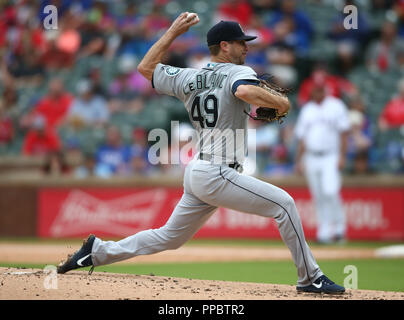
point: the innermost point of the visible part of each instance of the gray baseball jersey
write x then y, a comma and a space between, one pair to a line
216, 113
209, 99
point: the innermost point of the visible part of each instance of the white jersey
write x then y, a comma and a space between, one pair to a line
215, 112
320, 125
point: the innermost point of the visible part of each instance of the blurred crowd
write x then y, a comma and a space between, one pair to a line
73, 95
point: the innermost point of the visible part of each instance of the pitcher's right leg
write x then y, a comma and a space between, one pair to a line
187, 218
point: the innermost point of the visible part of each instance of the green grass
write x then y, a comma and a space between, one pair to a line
210, 242
280, 243
373, 274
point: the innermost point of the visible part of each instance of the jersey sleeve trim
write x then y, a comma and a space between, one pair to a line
243, 81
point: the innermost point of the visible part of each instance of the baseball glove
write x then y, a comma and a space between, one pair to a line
270, 114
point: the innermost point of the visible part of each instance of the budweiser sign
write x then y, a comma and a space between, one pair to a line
371, 213
81, 212
359, 213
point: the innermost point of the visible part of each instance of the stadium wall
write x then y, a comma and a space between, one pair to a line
58, 208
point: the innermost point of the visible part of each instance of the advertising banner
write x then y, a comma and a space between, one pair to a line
372, 213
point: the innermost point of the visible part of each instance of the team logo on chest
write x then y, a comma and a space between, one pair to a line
172, 71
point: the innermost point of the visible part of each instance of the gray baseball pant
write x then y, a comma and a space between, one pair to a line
207, 187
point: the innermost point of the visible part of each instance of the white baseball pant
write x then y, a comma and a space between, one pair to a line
324, 182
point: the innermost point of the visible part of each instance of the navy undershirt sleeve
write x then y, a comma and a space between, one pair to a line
240, 82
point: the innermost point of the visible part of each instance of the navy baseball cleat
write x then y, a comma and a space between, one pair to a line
322, 285
80, 259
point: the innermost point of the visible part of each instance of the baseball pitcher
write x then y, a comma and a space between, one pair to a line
218, 99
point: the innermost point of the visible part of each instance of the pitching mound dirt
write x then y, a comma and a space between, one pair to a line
27, 284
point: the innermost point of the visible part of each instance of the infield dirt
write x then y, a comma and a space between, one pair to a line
27, 284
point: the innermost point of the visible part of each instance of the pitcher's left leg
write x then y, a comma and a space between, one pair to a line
250, 195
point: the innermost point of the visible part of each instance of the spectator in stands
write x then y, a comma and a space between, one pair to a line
112, 37
198, 57
150, 26
69, 39
265, 35
87, 109
129, 86
9, 100
177, 57
7, 21
63, 44
399, 10
93, 39
360, 136
55, 164
350, 42
135, 38
86, 168
130, 29
292, 27
95, 77
139, 152
282, 58
24, 63
156, 21
391, 119
9, 112
292, 32
6, 127
54, 59
40, 140
392, 115
130, 23
382, 4
384, 53
181, 49
266, 138
113, 157
53, 107
281, 164
22, 42
281, 157
236, 10
264, 6
334, 85
122, 87
257, 48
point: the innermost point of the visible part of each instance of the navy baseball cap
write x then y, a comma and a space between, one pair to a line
226, 31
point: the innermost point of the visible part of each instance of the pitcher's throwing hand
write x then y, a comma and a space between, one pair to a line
182, 24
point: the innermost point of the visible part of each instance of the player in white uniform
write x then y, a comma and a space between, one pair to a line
215, 97
322, 128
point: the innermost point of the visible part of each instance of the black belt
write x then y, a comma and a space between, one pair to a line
236, 166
